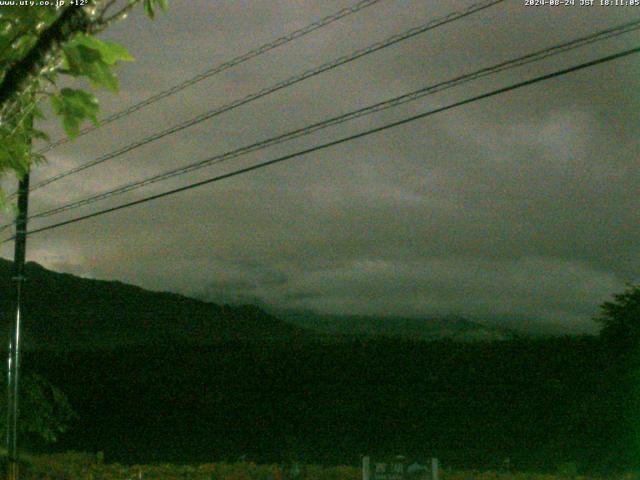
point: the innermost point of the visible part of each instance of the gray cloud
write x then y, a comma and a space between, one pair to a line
520, 205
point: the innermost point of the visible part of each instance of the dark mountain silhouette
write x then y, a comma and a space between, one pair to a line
63, 311
157, 377
432, 328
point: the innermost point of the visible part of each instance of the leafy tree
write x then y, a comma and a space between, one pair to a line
620, 332
620, 318
45, 412
37, 45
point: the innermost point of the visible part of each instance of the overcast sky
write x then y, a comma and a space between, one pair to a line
524, 205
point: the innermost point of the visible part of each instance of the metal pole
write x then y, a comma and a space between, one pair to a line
13, 361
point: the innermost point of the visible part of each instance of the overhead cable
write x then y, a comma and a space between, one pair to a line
368, 110
274, 88
339, 141
312, 27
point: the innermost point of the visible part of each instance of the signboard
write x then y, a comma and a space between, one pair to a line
388, 471
398, 469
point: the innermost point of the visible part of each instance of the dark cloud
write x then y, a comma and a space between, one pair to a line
521, 205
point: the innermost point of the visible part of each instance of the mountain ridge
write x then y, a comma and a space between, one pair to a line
452, 327
66, 311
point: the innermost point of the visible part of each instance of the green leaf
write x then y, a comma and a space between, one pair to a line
148, 8
84, 56
38, 157
101, 76
81, 102
109, 51
39, 134
70, 122
5, 156
37, 113
74, 106
71, 125
93, 58
164, 4
15, 152
83, 61
77, 59
57, 104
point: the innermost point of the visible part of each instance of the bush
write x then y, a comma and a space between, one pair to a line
568, 470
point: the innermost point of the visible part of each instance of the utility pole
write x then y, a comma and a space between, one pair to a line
13, 361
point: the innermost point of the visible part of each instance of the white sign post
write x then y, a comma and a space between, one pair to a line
366, 468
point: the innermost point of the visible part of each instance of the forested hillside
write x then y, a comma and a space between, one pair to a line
158, 377
540, 403
66, 312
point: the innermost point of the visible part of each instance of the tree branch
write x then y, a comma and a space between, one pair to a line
108, 5
72, 20
120, 15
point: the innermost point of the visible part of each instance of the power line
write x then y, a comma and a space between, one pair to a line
220, 68
342, 140
276, 87
368, 110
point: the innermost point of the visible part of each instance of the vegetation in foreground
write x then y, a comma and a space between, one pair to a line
80, 466
539, 402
